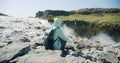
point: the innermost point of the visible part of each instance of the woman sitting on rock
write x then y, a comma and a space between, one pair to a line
56, 39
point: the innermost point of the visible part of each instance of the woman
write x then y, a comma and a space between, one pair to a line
59, 38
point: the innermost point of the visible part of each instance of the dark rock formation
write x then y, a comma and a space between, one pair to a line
86, 11
48, 13
24, 39
40, 14
20, 53
2, 27
1, 14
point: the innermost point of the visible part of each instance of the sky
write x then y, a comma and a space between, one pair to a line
28, 8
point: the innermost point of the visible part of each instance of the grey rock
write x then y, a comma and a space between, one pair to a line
9, 52
80, 46
8, 42
2, 44
107, 57
24, 39
37, 27
99, 48
2, 27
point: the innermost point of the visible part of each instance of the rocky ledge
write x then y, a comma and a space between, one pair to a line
22, 39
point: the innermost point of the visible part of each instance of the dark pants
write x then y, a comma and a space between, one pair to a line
63, 43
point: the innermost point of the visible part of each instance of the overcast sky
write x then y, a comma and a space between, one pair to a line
30, 7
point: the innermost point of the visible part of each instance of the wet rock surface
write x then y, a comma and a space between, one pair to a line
22, 41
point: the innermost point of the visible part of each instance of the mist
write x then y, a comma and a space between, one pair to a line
68, 31
102, 37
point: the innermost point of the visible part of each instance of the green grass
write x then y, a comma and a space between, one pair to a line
111, 18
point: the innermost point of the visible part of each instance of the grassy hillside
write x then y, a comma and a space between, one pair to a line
92, 24
111, 18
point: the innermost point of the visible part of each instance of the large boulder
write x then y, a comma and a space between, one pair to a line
12, 51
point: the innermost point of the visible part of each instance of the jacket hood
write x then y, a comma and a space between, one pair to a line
57, 22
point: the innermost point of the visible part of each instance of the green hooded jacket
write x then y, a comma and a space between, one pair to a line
58, 34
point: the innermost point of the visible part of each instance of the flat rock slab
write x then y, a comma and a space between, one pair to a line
8, 52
